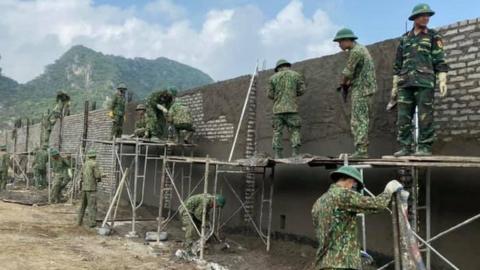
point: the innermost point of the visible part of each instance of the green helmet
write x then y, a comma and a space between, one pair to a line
348, 171
54, 152
122, 86
91, 153
140, 107
419, 10
344, 33
282, 63
173, 91
3, 147
220, 200
62, 96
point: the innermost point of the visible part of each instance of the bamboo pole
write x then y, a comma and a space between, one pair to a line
243, 112
396, 235
115, 197
161, 197
204, 210
49, 176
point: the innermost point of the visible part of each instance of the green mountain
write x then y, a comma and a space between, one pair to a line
8, 87
89, 75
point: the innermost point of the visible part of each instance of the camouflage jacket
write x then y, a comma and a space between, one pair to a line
419, 58
285, 87
91, 175
140, 125
4, 163
40, 160
179, 114
195, 203
360, 70
335, 221
118, 106
163, 98
60, 166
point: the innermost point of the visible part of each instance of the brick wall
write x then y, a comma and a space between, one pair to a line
215, 129
99, 128
458, 115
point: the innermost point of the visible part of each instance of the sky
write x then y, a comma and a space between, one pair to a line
224, 38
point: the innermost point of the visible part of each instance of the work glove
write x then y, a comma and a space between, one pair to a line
442, 83
392, 187
162, 108
393, 95
70, 173
110, 114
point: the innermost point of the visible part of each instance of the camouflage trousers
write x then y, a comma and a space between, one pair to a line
293, 123
189, 228
156, 126
88, 201
360, 120
117, 126
46, 134
184, 132
59, 183
40, 177
3, 180
408, 100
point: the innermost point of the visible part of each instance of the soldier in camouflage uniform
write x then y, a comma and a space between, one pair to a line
284, 88
4, 165
419, 61
40, 166
62, 107
60, 168
180, 118
140, 122
117, 111
194, 209
91, 175
46, 127
359, 75
334, 217
156, 120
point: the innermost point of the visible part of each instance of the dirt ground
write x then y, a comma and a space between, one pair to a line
46, 237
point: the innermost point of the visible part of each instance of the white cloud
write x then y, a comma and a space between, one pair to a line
297, 36
227, 43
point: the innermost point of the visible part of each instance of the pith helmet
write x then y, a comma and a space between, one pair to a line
282, 63
140, 107
344, 33
421, 9
91, 153
54, 152
348, 171
122, 86
220, 200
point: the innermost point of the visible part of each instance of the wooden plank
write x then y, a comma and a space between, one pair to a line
422, 164
434, 158
24, 202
